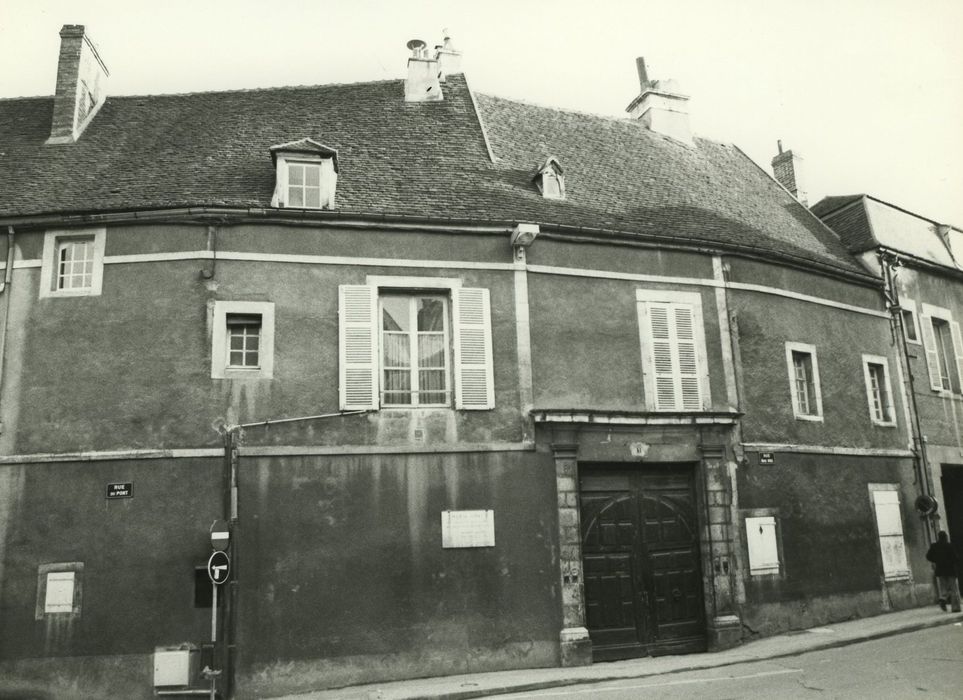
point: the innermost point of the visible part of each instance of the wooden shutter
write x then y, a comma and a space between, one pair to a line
358, 347
958, 351
932, 357
761, 541
674, 339
474, 375
890, 526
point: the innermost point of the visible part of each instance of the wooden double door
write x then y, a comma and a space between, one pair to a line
641, 563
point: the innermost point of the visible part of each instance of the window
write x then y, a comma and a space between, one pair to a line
415, 341
889, 526
911, 327
59, 589
414, 350
73, 263
879, 393
804, 381
762, 544
550, 179
674, 366
242, 340
944, 348
307, 175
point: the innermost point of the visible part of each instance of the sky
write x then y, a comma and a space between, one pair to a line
868, 92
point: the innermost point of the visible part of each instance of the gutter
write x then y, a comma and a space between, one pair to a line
4, 289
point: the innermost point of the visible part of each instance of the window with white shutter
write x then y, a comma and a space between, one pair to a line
807, 400
943, 344
889, 525
415, 341
762, 545
675, 371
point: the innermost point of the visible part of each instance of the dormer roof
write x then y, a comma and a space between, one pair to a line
308, 147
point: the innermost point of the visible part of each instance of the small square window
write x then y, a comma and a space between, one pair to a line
804, 381
73, 263
242, 343
59, 589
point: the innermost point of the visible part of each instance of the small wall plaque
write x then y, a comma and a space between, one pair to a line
767, 458
120, 490
467, 528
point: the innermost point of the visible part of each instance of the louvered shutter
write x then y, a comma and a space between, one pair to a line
474, 376
932, 357
958, 351
358, 347
890, 526
677, 378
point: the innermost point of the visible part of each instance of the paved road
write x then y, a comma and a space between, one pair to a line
928, 663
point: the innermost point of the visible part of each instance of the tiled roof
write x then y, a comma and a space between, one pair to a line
851, 223
409, 159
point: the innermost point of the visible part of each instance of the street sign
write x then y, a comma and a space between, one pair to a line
767, 458
218, 567
220, 535
120, 490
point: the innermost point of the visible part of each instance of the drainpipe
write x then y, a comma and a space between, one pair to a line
889, 264
7, 279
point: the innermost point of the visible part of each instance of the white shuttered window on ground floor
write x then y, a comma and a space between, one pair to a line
889, 525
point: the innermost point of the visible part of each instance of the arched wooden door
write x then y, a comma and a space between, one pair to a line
640, 551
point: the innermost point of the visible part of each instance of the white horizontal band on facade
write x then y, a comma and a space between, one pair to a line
308, 450
109, 455
541, 416
826, 450
467, 265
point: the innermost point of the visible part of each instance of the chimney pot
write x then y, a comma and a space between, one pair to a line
643, 73
787, 168
661, 107
422, 83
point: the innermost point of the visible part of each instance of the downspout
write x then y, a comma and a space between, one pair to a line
889, 263
7, 279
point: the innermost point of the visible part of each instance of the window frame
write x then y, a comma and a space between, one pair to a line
764, 516
411, 295
953, 363
645, 299
889, 410
220, 346
807, 348
50, 262
899, 574
327, 180
907, 305
43, 573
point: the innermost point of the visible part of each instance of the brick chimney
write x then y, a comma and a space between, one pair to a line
423, 82
661, 106
788, 171
449, 59
81, 85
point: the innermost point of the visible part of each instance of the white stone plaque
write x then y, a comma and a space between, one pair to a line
467, 528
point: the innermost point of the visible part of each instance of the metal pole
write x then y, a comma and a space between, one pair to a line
214, 640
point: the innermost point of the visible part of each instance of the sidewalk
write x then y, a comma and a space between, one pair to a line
484, 684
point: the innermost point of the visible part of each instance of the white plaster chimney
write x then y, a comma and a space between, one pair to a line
449, 59
422, 83
661, 106
787, 168
81, 85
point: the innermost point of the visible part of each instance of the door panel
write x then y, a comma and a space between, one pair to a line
643, 584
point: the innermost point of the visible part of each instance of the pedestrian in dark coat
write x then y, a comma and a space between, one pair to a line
943, 556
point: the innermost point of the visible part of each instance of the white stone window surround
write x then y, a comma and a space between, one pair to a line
59, 589
810, 350
53, 241
887, 512
328, 179
954, 363
647, 298
887, 405
908, 305
220, 361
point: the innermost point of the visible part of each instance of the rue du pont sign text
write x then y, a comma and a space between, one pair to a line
120, 490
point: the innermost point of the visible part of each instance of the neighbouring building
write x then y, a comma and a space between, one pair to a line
922, 263
477, 384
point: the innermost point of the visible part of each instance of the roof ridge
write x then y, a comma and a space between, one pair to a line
273, 88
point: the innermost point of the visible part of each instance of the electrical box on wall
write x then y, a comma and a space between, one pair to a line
175, 666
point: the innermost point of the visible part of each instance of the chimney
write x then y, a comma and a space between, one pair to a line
788, 171
449, 59
422, 83
81, 85
661, 106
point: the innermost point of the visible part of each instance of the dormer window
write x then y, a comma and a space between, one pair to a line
550, 180
307, 175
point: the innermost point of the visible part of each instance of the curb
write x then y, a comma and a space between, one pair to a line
563, 682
